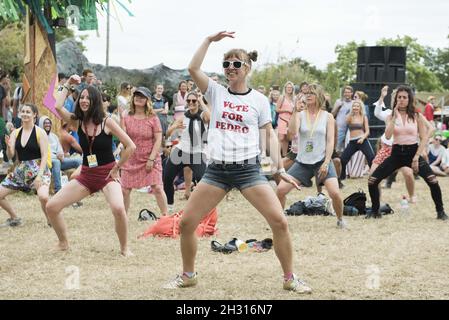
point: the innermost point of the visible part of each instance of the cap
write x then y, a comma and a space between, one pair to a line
144, 91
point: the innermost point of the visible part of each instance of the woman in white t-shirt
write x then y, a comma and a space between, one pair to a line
239, 116
190, 151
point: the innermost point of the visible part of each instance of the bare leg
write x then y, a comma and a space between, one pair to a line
126, 198
42, 193
71, 193
438, 171
331, 185
283, 189
203, 200
263, 198
409, 181
5, 204
188, 177
114, 197
337, 164
161, 198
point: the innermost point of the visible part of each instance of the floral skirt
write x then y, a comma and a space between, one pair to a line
22, 178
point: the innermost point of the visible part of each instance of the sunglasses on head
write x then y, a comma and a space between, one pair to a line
236, 64
191, 101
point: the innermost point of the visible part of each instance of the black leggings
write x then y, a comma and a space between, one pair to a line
402, 156
352, 148
175, 163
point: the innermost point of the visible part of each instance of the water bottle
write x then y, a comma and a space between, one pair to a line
241, 245
404, 206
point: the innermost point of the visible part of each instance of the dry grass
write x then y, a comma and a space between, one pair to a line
411, 254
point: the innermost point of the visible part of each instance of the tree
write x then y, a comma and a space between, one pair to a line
66, 33
345, 68
441, 66
12, 49
296, 71
419, 64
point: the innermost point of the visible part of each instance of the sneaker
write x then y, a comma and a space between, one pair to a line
341, 224
181, 281
77, 204
171, 208
442, 215
11, 222
297, 285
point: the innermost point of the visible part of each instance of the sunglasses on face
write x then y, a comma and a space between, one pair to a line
235, 64
189, 101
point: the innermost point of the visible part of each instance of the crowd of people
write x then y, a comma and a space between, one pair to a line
212, 138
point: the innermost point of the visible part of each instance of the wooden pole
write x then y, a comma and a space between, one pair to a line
107, 32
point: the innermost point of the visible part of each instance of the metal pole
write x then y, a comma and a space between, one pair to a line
107, 32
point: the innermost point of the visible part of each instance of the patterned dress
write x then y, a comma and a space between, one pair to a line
142, 132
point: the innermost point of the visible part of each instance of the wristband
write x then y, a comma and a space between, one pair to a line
280, 171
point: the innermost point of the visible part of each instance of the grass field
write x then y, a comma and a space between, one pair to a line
392, 258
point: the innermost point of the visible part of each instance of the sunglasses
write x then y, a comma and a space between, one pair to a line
129, 88
235, 64
191, 101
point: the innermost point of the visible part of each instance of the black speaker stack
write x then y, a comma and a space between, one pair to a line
376, 67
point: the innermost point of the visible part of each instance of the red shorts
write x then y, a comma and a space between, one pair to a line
383, 153
94, 179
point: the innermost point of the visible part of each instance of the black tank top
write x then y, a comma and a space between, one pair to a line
31, 151
101, 148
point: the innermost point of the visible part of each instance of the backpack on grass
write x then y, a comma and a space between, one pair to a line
357, 200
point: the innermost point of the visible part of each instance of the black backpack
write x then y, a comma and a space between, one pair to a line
357, 200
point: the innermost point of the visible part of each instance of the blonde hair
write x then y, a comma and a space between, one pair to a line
285, 86
319, 93
361, 105
149, 111
362, 95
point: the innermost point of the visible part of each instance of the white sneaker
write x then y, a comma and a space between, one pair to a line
341, 224
297, 285
171, 208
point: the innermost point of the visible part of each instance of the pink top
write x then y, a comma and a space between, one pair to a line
405, 133
284, 118
141, 132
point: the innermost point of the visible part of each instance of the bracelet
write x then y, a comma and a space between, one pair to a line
280, 171
152, 160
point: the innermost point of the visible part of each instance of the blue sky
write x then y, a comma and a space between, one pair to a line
168, 31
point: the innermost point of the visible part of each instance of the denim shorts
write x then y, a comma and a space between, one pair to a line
234, 175
305, 172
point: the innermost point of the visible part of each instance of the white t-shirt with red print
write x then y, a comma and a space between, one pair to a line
235, 122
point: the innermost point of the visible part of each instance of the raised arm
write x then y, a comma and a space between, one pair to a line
198, 76
379, 104
295, 123
61, 96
